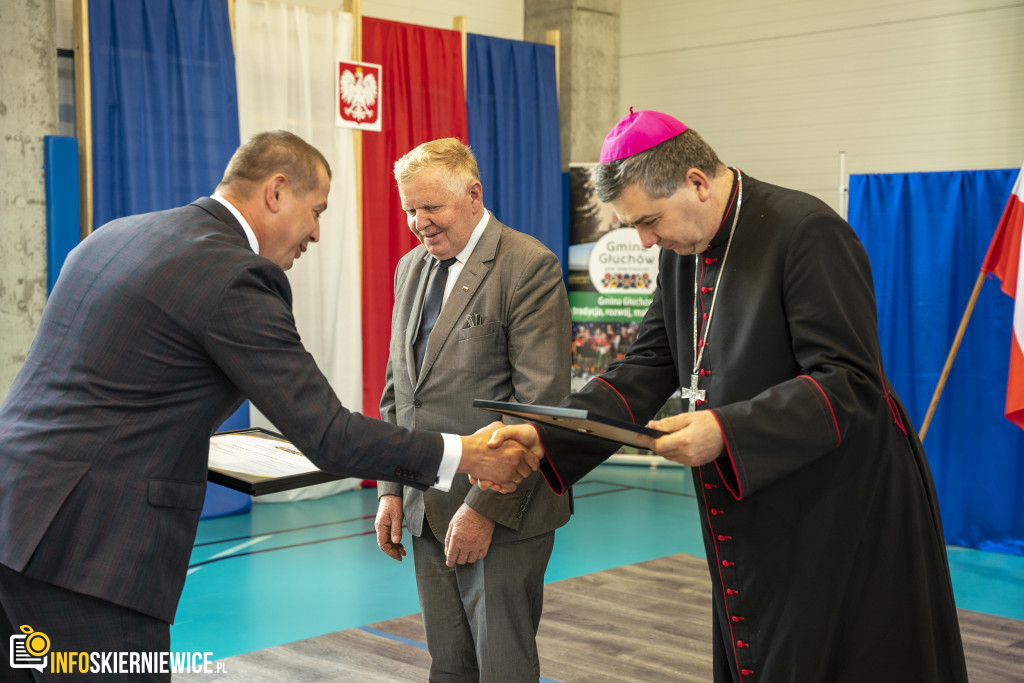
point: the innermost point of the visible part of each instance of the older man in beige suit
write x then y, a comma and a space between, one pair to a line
502, 332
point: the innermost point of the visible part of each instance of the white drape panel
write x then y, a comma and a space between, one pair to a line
286, 63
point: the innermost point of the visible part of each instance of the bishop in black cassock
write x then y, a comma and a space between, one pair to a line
818, 510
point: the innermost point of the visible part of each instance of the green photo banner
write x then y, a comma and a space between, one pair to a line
620, 308
611, 280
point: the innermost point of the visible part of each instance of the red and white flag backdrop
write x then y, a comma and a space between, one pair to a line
424, 99
1004, 261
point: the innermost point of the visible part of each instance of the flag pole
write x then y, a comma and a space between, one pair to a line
83, 115
459, 24
952, 354
355, 8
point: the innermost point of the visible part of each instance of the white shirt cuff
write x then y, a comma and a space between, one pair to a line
449, 462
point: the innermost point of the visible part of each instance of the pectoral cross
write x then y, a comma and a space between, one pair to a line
692, 393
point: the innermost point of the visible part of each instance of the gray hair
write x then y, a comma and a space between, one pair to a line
659, 170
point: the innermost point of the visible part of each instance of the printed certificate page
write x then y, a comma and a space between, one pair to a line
255, 455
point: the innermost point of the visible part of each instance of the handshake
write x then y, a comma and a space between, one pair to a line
500, 456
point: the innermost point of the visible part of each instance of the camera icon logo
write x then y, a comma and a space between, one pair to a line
28, 651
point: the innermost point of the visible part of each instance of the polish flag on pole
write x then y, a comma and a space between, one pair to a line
1004, 261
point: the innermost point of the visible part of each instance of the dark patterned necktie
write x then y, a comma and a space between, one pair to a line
431, 308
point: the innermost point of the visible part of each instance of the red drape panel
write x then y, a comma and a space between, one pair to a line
423, 99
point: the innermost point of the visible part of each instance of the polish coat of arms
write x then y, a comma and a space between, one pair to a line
359, 95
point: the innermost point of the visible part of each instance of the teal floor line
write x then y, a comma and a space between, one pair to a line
392, 636
288, 571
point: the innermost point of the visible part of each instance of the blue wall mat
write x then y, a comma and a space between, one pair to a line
220, 500
63, 225
238, 420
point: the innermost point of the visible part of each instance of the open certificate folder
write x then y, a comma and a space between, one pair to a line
257, 461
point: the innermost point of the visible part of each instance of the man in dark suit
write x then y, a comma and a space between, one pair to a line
502, 333
156, 330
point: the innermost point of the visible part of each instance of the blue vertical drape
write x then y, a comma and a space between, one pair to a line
512, 107
164, 121
164, 103
926, 235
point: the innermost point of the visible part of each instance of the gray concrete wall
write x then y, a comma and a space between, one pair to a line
588, 72
780, 89
28, 111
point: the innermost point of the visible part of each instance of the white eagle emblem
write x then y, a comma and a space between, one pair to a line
359, 93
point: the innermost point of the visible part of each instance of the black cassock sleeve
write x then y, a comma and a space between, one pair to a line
632, 390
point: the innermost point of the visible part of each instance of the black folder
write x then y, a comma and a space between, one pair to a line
575, 420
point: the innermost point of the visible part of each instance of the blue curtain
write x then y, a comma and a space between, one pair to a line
164, 103
926, 235
164, 121
512, 107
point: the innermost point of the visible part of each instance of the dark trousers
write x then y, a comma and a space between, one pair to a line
481, 619
72, 623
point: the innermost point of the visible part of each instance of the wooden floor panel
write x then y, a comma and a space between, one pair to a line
647, 622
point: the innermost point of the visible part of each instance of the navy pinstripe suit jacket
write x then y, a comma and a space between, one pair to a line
157, 328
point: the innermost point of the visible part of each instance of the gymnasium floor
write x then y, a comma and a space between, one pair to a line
290, 571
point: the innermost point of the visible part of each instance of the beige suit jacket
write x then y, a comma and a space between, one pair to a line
503, 334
